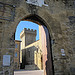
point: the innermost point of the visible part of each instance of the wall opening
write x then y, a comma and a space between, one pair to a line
41, 53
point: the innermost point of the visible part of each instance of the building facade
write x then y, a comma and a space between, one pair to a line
58, 17
17, 55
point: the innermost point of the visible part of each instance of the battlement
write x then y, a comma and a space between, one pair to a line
28, 31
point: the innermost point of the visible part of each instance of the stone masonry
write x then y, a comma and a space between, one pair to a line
58, 17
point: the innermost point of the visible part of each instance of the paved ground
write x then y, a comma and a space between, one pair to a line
30, 72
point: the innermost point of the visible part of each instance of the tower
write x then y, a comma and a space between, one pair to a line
27, 36
27, 55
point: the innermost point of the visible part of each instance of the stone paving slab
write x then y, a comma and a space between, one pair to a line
29, 72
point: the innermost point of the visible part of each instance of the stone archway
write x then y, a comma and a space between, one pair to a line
10, 39
34, 18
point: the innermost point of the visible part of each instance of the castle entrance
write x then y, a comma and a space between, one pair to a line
35, 54
58, 16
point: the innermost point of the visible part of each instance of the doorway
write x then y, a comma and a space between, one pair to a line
44, 52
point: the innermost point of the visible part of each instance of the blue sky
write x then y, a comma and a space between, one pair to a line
26, 24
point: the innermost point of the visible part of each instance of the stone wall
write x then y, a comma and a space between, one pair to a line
58, 17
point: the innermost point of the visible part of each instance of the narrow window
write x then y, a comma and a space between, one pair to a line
29, 53
16, 54
16, 45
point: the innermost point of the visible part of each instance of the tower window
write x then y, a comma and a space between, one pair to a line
16, 45
16, 54
29, 53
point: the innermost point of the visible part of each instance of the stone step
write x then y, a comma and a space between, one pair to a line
31, 67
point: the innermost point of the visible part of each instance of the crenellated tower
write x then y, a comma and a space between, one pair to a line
27, 36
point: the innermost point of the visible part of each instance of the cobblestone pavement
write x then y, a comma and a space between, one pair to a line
29, 72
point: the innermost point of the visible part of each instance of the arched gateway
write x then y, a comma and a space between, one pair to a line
57, 16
